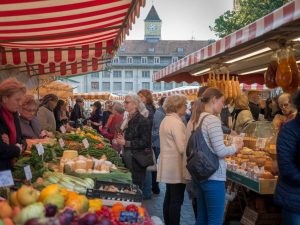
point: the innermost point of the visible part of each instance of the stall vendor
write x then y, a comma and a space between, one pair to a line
11, 141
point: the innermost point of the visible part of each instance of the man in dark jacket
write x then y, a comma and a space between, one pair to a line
287, 193
77, 112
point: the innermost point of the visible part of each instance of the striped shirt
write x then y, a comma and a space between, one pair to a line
214, 137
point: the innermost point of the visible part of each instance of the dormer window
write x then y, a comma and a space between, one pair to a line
122, 48
180, 50
129, 60
151, 50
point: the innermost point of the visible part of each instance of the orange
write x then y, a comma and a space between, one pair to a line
141, 211
117, 208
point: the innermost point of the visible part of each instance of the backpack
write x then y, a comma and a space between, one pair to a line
201, 161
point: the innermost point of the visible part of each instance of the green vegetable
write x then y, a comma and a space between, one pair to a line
35, 210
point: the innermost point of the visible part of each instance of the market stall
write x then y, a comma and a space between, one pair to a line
189, 91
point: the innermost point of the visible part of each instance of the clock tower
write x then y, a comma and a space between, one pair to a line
152, 26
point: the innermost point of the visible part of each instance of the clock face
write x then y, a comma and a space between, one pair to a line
152, 27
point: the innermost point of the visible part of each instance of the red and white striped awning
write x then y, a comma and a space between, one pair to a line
63, 37
253, 87
98, 96
282, 16
193, 90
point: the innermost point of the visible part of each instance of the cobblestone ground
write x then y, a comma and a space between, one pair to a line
155, 207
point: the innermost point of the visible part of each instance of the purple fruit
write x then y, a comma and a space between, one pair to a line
34, 221
51, 210
104, 221
88, 219
66, 217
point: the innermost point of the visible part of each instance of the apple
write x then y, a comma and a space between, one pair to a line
5, 210
27, 195
14, 199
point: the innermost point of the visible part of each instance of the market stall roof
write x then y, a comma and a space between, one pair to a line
186, 90
260, 39
98, 96
63, 37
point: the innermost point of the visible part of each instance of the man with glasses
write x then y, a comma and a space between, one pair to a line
287, 109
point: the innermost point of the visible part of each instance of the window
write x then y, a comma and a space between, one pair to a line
117, 86
180, 50
150, 49
174, 59
145, 74
106, 74
146, 85
156, 60
95, 85
117, 74
144, 60
122, 48
168, 86
116, 60
129, 60
128, 86
95, 75
128, 74
179, 84
157, 86
106, 86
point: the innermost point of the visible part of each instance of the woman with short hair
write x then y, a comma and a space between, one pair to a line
11, 141
136, 137
45, 113
60, 114
172, 147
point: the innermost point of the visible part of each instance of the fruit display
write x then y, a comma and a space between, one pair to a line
230, 87
55, 205
283, 72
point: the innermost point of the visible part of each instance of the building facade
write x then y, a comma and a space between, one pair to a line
137, 60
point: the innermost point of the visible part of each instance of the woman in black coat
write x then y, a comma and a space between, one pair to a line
11, 141
136, 137
96, 116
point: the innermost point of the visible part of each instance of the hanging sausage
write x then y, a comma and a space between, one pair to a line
284, 72
270, 75
295, 73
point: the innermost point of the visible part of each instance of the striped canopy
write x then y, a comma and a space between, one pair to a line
63, 37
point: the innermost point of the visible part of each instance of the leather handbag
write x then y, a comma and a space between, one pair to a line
144, 158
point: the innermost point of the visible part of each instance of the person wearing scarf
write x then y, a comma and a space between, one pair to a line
11, 141
45, 113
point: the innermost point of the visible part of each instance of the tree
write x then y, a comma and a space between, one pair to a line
249, 11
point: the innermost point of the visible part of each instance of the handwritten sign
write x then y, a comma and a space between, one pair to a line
27, 172
40, 149
85, 143
61, 142
6, 178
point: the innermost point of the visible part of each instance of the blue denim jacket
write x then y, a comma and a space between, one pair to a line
159, 115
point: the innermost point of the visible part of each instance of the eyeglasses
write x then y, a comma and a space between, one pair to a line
126, 102
285, 105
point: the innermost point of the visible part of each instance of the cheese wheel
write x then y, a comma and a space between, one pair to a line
70, 154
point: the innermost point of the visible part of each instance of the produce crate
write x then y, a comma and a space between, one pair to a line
263, 186
109, 198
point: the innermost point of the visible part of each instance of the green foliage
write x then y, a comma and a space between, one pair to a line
250, 11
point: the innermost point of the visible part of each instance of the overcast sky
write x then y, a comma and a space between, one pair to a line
183, 19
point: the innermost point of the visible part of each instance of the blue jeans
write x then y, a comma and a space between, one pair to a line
290, 218
147, 187
210, 202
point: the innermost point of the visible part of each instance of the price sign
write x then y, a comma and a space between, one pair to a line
28, 173
126, 216
62, 129
85, 143
6, 179
261, 143
242, 135
40, 148
61, 142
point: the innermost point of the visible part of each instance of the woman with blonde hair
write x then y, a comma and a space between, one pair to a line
136, 137
241, 114
11, 142
172, 148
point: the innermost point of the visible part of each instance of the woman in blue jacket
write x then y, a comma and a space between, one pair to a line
287, 193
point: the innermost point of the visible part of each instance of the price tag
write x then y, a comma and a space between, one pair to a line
62, 129
244, 165
242, 135
85, 143
28, 173
40, 148
126, 216
261, 143
256, 169
6, 179
61, 142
